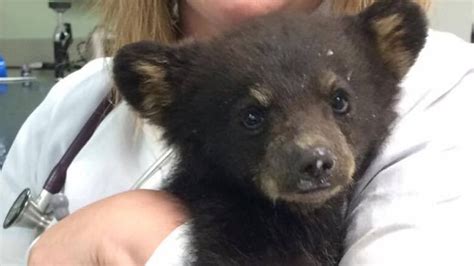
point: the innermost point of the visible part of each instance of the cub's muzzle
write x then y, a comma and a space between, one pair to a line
309, 173
315, 170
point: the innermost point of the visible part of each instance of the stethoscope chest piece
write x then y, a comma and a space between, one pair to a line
39, 213
25, 213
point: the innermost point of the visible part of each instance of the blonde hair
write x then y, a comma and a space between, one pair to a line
137, 20
355, 6
132, 21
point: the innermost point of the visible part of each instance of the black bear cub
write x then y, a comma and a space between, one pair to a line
272, 122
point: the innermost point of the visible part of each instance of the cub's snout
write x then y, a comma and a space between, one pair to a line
306, 171
316, 169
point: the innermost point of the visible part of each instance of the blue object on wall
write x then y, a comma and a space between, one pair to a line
3, 68
3, 74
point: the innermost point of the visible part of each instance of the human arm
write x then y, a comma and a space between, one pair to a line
122, 229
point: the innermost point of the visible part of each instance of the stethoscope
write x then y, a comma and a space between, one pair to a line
40, 212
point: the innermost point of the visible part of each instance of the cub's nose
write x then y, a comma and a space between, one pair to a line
316, 168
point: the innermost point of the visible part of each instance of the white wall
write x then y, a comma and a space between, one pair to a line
456, 16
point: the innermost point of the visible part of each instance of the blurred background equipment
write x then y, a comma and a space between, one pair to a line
3, 74
36, 41
62, 38
3, 67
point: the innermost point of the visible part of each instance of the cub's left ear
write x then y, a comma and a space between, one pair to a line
399, 30
147, 75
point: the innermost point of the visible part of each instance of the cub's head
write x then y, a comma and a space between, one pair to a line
293, 105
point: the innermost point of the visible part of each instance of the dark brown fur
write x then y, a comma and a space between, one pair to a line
246, 186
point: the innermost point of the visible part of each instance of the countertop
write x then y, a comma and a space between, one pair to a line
17, 101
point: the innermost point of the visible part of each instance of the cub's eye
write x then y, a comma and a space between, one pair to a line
252, 118
340, 102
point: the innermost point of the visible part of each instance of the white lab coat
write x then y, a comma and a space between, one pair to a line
414, 205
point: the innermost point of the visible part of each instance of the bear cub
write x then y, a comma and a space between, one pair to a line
272, 122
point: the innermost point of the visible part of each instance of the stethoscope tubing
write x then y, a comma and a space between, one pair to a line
38, 213
163, 160
57, 177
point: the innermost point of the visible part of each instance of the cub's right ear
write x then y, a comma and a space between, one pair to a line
146, 74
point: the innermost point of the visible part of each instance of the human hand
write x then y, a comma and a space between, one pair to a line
123, 229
